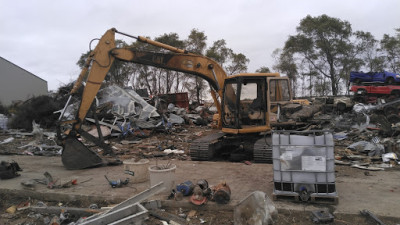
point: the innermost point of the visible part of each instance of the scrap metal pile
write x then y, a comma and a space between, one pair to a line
367, 137
131, 124
145, 127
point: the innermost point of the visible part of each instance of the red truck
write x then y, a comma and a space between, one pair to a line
365, 91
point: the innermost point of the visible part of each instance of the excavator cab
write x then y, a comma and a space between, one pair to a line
245, 104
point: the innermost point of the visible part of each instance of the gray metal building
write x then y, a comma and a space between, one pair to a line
18, 84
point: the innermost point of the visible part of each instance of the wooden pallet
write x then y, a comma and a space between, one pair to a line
314, 198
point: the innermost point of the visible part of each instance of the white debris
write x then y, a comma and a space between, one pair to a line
169, 151
125, 102
8, 140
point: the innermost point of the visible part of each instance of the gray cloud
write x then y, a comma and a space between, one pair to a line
47, 37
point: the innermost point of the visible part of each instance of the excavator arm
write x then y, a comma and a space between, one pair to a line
197, 65
99, 62
105, 53
78, 156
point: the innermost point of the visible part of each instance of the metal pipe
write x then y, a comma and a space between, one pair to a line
65, 107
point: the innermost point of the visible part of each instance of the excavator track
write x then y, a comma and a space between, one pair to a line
203, 149
262, 151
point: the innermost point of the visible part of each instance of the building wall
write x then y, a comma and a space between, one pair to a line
18, 84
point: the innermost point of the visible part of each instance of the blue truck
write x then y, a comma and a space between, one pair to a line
382, 77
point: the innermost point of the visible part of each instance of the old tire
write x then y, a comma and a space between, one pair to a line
390, 110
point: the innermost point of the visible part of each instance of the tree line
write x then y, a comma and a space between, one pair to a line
320, 56
318, 59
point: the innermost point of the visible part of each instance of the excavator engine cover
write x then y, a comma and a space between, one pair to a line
77, 156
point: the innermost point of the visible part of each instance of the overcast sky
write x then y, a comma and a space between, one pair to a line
47, 37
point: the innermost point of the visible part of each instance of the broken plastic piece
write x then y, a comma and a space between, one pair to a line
321, 216
389, 156
129, 172
256, 208
24, 205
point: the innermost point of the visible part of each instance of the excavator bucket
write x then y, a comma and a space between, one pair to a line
77, 156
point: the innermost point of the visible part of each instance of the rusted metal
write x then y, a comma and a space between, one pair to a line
222, 193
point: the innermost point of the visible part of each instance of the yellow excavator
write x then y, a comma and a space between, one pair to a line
247, 103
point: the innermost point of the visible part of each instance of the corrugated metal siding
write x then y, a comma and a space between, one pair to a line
18, 84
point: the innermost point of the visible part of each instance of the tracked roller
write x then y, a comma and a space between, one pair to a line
262, 151
203, 149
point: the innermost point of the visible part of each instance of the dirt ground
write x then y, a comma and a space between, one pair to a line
382, 196
284, 217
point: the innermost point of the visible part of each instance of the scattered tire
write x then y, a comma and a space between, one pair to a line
390, 110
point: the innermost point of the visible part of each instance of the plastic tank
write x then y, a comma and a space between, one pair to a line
303, 163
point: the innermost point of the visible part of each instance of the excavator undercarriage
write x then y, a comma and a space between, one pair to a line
252, 147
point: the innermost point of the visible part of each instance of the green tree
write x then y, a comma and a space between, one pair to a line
231, 62
167, 78
238, 64
285, 63
219, 52
196, 43
263, 69
143, 76
323, 42
391, 47
367, 48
